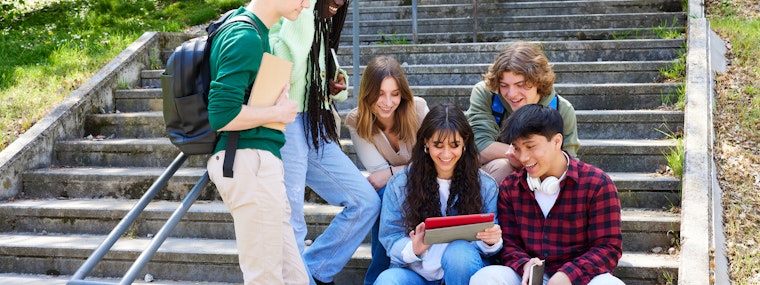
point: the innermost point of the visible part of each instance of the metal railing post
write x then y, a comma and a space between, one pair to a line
355, 49
414, 21
123, 226
475, 24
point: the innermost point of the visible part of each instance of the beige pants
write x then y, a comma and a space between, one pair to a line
498, 169
259, 206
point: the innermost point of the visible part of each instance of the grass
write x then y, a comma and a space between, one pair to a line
675, 158
392, 39
51, 47
668, 30
677, 71
737, 128
669, 278
674, 155
677, 99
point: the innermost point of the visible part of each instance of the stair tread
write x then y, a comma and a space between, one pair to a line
657, 112
82, 207
41, 279
83, 244
584, 142
198, 171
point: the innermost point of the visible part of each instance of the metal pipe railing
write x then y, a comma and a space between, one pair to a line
475, 22
163, 233
355, 49
414, 21
123, 226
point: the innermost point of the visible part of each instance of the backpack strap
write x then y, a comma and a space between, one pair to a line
230, 148
554, 104
497, 109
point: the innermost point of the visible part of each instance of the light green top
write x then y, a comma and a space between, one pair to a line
292, 41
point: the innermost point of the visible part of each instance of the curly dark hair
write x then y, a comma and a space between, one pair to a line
319, 118
423, 200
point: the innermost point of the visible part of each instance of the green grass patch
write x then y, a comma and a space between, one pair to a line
676, 71
674, 155
677, 99
50, 48
392, 39
745, 39
668, 30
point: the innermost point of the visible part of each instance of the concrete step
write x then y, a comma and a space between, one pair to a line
642, 229
514, 23
636, 190
628, 124
568, 73
591, 124
576, 72
139, 99
127, 124
212, 260
428, 11
556, 51
604, 96
346, 40
635, 155
628, 155
43, 279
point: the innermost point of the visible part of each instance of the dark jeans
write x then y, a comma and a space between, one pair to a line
380, 260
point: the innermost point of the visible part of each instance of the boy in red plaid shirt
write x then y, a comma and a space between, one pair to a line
556, 210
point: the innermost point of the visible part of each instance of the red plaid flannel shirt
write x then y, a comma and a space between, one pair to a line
581, 236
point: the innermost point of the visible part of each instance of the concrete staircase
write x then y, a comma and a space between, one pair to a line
607, 59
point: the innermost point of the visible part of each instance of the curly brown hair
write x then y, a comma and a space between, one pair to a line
526, 59
423, 200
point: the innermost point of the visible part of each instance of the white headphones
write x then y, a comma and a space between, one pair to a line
550, 185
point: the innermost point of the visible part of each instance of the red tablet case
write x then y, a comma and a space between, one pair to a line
442, 222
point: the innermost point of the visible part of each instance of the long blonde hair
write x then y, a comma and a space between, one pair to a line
405, 116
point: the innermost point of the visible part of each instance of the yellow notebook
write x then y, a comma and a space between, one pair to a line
273, 74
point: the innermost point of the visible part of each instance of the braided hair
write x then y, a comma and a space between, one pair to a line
319, 118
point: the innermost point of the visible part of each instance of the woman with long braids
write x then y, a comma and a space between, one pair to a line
312, 155
443, 179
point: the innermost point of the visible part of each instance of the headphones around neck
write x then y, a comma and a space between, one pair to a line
549, 186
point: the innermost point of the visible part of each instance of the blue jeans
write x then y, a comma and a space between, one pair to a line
460, 261
380, 260
335, 178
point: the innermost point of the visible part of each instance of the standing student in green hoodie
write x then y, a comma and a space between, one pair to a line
255, 195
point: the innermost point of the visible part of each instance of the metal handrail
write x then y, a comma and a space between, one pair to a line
130, 217
355, 49
475, 22
414, 21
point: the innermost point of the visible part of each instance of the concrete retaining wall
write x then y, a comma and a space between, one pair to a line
699, 213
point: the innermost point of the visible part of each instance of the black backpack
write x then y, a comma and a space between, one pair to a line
185, 87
